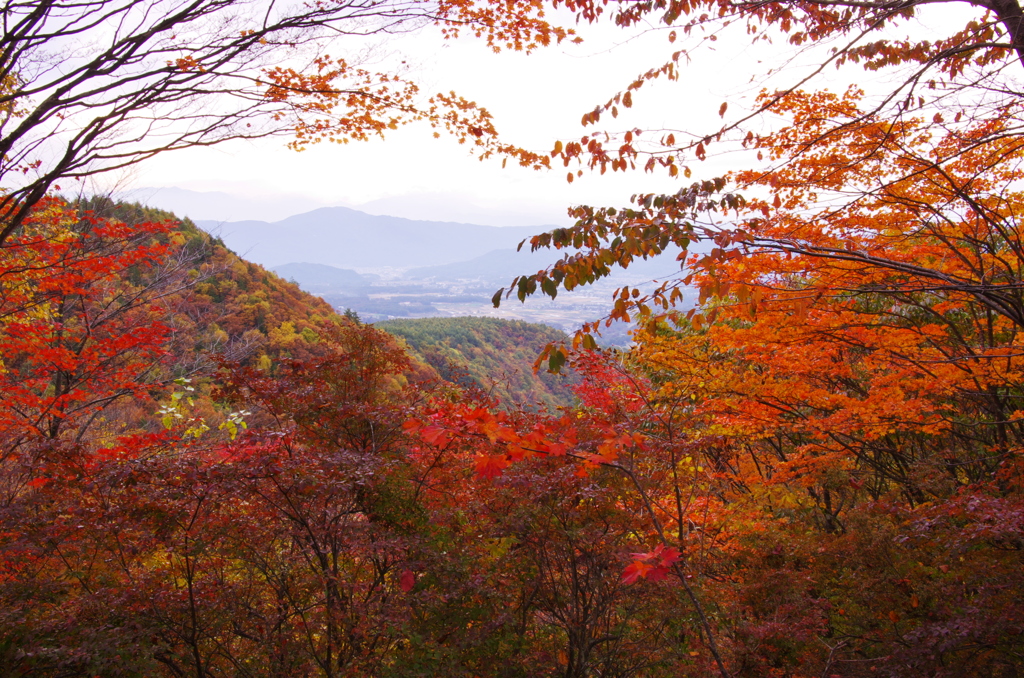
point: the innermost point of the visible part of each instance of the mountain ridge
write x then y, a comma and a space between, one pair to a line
348, 238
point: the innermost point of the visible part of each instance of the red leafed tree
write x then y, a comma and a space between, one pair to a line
846, 390
620, 435
78, 335
279, 552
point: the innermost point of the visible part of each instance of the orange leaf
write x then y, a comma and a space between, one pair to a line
436, 436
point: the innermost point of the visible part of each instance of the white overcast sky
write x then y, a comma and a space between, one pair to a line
535, 99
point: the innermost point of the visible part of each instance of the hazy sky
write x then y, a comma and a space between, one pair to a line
535, 99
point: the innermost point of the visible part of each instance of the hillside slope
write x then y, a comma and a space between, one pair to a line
213, 308
226, 308
496, 355
223, 304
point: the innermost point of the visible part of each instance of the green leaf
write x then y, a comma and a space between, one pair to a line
556, 360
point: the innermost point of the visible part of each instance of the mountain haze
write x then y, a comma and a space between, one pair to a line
496, 267
219, 205
347, 238
388, 267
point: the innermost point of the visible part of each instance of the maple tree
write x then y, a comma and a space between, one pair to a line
928, 72
77, 336
817, 513
194, 554
958, 88
615, 430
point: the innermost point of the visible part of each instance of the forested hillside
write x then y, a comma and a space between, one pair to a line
495, 355
221, 305
173, 302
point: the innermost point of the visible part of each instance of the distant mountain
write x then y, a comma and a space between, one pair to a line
317, 278
248, 204
346, 238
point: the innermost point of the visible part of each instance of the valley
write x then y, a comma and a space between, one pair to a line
388, 267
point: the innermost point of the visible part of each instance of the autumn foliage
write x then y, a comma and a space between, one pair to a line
815, 470
277, 516
840, 405
820, 476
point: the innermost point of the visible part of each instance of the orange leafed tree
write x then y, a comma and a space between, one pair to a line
957, 88
848, 382
852, 383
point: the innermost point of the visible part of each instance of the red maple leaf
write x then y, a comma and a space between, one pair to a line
491, 465
407, 580
635, 570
